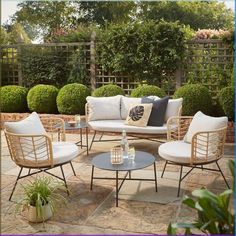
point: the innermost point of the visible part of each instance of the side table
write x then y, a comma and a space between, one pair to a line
80, 126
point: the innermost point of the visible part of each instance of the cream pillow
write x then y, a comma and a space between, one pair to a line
125, 103
30, 125
139, 115
104, 108
173, 108
202, 122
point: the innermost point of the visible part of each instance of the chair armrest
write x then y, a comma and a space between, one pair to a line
177, 127
208, 144
54, 125
26, 149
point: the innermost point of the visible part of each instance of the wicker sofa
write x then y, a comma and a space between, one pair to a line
107, 114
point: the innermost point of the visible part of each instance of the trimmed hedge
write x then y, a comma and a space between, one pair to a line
71, 99
42, 99
13, 98
148, 90
196, 98
108, 91
226, 100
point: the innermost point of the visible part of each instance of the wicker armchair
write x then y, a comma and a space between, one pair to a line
38, 151
206, 147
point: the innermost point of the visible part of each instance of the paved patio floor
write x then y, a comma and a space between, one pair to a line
94, 212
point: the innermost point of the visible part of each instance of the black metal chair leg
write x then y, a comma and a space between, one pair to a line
18, 177
29, 171
64, 179
180, 179
92, 140
164, 169
222, 175
72, 167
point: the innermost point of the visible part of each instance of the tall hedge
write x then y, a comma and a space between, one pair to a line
13, 98
196, 98
146, 51
71, 99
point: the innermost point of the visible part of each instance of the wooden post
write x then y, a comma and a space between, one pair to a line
92, 61
20, 80
178, 78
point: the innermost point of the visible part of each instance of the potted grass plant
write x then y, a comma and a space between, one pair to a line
40, 199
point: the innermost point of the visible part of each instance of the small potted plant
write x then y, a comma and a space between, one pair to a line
40, 199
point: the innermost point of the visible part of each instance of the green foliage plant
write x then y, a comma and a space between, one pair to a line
108, 90
42, 98
13, 98
226, 100
215, 215
40, 192
147, 90
196, 97
71, 99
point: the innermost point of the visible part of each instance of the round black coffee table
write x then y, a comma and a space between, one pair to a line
142, 160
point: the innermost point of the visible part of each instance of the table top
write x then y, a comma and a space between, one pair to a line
142, 160
80, 125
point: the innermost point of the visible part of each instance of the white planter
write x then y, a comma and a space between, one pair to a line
46, 214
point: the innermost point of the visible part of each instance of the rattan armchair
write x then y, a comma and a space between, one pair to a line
39, 152
205, 148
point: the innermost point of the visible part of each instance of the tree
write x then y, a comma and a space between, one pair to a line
17, 34
198, 14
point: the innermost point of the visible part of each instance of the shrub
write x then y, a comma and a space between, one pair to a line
226, 100
108, 90
196, 98
71, 99
42, 98
13, 98
147, 90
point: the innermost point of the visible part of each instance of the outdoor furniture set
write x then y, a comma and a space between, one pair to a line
191, 141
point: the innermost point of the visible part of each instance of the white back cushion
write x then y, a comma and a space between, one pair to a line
30, 125
204, 123
104, 108
173, 107
126, 103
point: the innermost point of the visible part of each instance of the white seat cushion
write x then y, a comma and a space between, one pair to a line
64, 152
119, 126
179, 152
104, 108
126, 103
30, 125
204, 123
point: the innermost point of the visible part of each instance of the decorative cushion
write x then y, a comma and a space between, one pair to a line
173, 108
202, 122
126, 102
139, 115
104, 108
30, 125
157, 116
180, 152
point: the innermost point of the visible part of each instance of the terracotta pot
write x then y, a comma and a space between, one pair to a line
46, 214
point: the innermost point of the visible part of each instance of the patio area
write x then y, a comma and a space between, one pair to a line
94, 212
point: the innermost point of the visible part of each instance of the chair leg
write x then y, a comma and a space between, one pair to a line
180, 179
18, 177
92, 140
64, 179
29, 171
223, 175
164, 169
72, 168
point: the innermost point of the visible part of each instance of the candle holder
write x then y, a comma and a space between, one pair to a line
116, 155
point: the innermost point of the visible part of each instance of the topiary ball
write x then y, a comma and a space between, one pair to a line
71, 99
226, 100
13, 98
147, 90
42, 99
196, 98
108, 91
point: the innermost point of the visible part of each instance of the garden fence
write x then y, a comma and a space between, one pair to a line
209, 62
